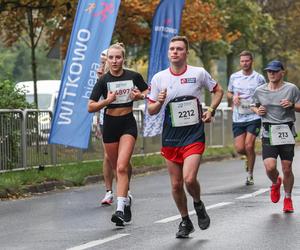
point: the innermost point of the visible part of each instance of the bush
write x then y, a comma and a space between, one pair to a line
12, 98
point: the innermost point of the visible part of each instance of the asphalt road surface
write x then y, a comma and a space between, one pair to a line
242, 217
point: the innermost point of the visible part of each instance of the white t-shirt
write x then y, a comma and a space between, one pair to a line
189, 83
244, 86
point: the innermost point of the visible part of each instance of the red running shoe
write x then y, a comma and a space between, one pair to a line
275, 191
288, 205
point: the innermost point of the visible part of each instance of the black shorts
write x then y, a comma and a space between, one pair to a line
116, 126
252, 127
285, 152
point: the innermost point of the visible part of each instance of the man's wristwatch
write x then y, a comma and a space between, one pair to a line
211, 110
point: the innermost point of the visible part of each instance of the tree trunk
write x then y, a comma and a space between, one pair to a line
207, 65
264, 59
34, 75
229, 71
229, 68
33, 59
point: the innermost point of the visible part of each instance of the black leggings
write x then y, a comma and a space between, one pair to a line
116, 126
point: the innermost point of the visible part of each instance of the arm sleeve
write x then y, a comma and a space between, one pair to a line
140, 82
209, 82
255, 98
262, 80
97, 91
230, 86
154, 90
297, 95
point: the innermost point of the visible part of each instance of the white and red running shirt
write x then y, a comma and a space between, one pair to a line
181, 88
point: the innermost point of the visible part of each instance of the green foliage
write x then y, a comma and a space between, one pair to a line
15, 63
10, 97
48, 69
150, 160
29, 177
12, 183
218, 152
7, 60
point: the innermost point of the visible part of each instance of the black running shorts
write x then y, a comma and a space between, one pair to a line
285, 152
116, 126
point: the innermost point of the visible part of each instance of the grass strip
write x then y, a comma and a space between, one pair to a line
15, 181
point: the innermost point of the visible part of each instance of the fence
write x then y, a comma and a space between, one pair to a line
24, 139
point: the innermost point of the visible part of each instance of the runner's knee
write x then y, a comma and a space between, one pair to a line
122, 169
189, 181
240, 149
269, 166
249, 147
177, 186
287, 170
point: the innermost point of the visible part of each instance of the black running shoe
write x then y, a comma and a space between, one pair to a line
127, 211
118, 218
185, 228
203, 218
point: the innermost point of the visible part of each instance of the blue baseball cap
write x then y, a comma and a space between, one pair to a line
274, 66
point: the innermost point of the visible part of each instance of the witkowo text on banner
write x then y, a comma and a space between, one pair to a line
92, 31
165, 25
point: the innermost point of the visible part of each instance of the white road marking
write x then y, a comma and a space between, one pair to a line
258, 192
166, 220
98, 242
221, 204
176, 217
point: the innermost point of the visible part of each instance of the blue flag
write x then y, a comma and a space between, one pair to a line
92, 31
165, 25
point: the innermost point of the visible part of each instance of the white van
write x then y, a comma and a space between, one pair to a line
47, 92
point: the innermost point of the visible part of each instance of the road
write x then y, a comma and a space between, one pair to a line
242, 217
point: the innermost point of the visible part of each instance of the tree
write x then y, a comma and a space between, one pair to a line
11, 98
6, 67
203, 28
26, 20
284, 43
245, 22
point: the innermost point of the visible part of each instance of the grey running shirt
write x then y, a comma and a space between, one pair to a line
271, 101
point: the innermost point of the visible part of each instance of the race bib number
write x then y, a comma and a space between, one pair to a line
122, 89
281, 135
244, 107
184, 113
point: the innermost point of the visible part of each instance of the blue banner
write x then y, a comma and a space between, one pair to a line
92, 31
165, 25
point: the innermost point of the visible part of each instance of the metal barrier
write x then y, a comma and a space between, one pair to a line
11, 127
218, 132
24, 139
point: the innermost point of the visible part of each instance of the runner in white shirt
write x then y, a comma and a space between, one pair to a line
246, 124
177, 91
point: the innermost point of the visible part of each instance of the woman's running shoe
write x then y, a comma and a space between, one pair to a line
108, 198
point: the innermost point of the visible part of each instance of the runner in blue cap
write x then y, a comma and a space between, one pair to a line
276, 103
